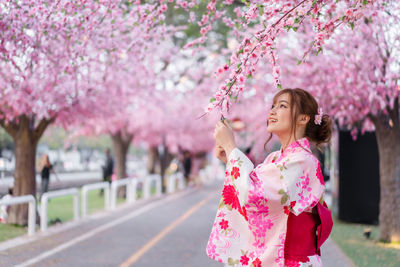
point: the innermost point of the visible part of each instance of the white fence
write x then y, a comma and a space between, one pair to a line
210, 173
54, 194
173, 180
32, 209
130, 184
89, 187
131, 188
147, 182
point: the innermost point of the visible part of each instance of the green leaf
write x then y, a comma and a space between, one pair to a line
261, 9
295, 28
212, 99
319, 51
279, 86
299, 62
351, 25
288, 27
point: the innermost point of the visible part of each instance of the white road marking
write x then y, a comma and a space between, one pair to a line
101, 228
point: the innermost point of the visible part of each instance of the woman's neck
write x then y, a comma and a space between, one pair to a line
287, 140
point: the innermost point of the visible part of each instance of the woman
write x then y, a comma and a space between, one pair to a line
45, 168
274, 214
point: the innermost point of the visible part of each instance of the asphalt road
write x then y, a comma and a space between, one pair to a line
112, 240
167, 231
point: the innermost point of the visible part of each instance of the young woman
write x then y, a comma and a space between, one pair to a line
274, 214
45, 168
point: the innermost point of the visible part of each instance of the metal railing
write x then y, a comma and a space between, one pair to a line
173, 179
147, 182
174, 182
130, 184
54, 194
89, 187
32, 209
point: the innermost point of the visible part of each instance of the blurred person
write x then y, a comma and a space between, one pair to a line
187, 165
274, 214
4, 208
108, 166
45, 168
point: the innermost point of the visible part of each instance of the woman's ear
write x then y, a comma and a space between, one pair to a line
303, 119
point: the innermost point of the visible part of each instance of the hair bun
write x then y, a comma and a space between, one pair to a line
324, 131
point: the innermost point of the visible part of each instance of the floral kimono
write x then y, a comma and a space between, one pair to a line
251, 222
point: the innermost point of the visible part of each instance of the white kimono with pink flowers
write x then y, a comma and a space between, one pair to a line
251, 221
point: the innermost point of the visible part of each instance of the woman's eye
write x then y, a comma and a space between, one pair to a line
272, 106
283, 106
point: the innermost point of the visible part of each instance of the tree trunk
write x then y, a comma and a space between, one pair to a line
152, 159
121, 143
165, 160
388, 138
26, 137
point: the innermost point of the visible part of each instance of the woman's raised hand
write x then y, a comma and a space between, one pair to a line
224, 138
220, 153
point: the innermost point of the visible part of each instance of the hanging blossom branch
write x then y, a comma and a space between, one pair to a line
273, 17
244, 60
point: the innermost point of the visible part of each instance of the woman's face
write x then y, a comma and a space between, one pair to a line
279, 118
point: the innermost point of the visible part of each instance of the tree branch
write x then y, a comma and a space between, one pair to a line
42, 126
10, 127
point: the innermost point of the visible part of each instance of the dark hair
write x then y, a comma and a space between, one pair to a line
303, 103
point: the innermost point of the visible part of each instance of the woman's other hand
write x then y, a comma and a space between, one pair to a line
220, 153
224, 138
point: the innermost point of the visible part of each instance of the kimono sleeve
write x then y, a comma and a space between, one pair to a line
237, 178
304, 183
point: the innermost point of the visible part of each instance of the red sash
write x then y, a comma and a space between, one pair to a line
307, 232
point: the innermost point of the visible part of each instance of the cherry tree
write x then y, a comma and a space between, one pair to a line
52, 55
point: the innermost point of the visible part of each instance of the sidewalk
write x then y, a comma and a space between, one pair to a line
333, 256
